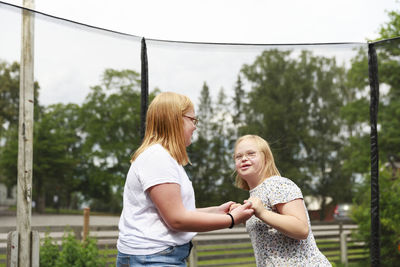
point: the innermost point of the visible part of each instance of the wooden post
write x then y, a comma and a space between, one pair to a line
86, 216
193, 255
12, 249
343, 248
35, 248
25, 137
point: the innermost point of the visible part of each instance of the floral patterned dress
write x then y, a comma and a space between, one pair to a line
271, 247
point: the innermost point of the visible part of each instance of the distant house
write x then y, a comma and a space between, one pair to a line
7, 199
313, 204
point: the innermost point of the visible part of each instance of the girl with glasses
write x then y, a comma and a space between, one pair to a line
159, 217
280, 231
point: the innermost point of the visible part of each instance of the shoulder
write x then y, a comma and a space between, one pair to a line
279, 181
282, 189
154, 153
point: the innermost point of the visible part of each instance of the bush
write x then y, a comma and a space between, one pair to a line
72, 252
389, 206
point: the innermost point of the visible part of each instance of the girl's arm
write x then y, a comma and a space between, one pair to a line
291, 219
222, 209
167, 199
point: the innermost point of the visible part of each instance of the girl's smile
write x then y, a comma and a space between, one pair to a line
249, 162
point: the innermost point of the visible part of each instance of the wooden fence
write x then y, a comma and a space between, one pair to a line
232, 247
227, 247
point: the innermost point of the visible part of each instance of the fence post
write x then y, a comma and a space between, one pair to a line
35, 248
193, 255
86, 213
343, 248
12, 249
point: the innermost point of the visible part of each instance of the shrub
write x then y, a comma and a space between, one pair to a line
48, 252
389, 205
72, 252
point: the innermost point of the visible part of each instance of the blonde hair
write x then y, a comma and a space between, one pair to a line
269, 168
164, 125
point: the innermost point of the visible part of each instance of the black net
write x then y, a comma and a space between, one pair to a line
316, 105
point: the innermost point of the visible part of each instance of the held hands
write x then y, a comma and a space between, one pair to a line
234, 206
256, 205
241, 213
226, 207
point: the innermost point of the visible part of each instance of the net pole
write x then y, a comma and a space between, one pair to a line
374, 103
144, 89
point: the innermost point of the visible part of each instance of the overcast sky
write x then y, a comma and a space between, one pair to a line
242, 21
210, 21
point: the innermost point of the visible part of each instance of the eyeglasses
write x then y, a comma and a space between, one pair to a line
248, 154
194, 120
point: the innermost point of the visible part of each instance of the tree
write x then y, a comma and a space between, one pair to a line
294, 104
389, 207
388, 53
56, 152
9, 95
238, 104
9, 115
199, 152
110, 119
224, 137
212, 167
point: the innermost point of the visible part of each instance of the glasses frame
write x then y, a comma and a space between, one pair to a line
194, 120
249, 155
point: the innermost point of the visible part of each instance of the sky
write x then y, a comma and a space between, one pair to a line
209, 21
232, 21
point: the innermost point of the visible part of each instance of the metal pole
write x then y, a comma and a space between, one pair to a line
25, 137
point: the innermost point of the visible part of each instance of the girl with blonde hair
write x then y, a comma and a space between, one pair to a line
280, 231
159, 217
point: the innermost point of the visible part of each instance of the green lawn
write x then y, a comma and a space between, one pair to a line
246, 248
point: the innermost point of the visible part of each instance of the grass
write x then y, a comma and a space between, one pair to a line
329, 249
3, 258
333, 254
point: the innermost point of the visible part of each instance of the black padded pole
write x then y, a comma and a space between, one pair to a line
145, 89
374, 103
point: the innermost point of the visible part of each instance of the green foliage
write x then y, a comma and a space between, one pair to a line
313, 112
56, 154
49, 252
211, 153
9, 92
72, 253
9, 114
110, 118
391, 29
389, 187
294, 103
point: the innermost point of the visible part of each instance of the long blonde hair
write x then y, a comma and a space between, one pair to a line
164, 125
269, 168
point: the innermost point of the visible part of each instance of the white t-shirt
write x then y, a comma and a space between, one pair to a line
142, 230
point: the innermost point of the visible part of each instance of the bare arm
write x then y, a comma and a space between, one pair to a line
221, 209
167, 199
291, 219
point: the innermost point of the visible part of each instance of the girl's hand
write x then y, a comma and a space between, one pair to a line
242, 213
226, 207
256, 204
234, 206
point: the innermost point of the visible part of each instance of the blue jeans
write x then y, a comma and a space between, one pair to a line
172, 256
